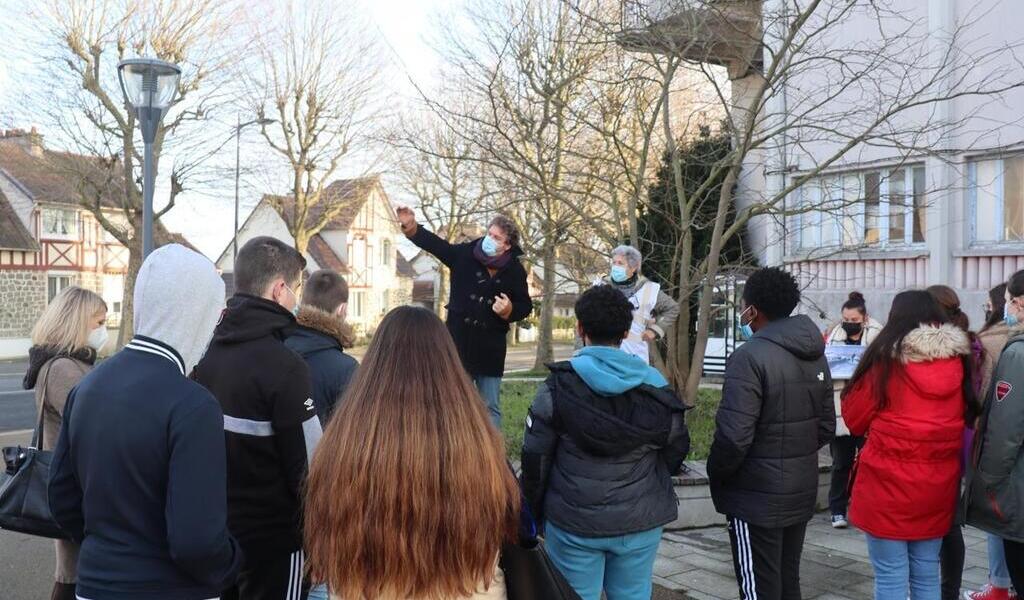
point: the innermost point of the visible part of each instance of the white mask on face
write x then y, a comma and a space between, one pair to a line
98, 338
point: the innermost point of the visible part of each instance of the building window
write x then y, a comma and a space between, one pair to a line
872, 208
385, 301
996, 189
60, 223
55, 284
358, 304
385, 253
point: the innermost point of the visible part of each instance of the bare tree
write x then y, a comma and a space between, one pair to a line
523, 70
81, 99
437, 169
803, 97
318, 93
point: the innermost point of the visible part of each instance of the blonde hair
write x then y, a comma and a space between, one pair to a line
64, 325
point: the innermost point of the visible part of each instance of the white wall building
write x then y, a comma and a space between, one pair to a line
359, 243
947, 209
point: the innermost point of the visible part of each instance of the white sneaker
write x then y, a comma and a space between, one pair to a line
839, 522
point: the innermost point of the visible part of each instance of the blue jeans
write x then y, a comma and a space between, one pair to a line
318, 592
621, 565
900, 565
998, 574
490, 390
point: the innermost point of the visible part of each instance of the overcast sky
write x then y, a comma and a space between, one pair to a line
205, 216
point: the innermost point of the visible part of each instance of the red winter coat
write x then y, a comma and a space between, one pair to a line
907, 476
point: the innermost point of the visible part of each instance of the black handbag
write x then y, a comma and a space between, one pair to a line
530, 574
24, 504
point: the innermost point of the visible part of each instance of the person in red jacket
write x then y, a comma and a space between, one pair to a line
910, 396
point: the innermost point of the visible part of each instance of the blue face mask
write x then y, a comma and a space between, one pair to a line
1009, 319
746, 331
489, 246
619, 273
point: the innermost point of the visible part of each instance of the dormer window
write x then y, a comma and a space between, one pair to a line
59, 223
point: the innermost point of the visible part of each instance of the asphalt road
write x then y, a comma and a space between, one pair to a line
17, 406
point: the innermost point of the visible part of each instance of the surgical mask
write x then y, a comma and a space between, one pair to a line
1010, 319
619, 273
98, 338
746, 331
853, 329
295, 309
489, 246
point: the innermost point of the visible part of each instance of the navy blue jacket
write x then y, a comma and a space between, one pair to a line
138, 478
318, 339
479, 333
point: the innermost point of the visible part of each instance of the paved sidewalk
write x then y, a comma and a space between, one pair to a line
698, 563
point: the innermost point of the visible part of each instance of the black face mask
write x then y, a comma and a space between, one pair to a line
853, 329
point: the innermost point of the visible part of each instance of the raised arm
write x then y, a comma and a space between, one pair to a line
426, 240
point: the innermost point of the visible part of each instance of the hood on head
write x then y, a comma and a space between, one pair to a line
251, 318
797, 334
169, 310
926, 344
610, 371
325, 325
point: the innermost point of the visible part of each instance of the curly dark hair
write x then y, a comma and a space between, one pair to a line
773, 291
604, 314
508, 226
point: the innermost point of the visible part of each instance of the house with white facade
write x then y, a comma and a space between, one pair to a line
360, 243
948, 209
48, 241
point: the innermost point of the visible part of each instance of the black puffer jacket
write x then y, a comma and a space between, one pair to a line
600, 466
776, 412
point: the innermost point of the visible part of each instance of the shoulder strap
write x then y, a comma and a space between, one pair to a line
37, 435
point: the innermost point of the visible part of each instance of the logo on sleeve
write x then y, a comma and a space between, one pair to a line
1003, 389
309, 404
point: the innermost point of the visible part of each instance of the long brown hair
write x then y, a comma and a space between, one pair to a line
409, 493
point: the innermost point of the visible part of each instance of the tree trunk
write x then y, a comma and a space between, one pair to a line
545, 349
301, 241
444, 280
707, 287
127, 329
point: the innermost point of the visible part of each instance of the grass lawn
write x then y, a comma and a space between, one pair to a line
516, 397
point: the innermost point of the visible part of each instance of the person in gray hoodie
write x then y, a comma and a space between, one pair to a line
138, 476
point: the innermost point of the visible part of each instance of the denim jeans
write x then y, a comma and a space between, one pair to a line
622, 566
998, 574
490, 390
900, 565
318, 592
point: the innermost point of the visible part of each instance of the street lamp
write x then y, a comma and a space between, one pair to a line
149, 87
239, 126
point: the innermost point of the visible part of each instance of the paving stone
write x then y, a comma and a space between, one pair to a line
667, 584
706, 563
671, 550
716, 585
975, 577
829, 559
861, 568
666, 567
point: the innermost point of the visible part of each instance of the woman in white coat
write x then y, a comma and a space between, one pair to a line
855, 329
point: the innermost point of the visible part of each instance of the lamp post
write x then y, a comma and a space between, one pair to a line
149, 87
239, 126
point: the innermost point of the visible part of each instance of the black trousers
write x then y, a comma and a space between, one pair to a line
1015, 562
278, 578
767, 561
844, 451
951, 559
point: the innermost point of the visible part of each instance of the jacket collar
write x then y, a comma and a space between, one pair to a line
157, 348
330, 325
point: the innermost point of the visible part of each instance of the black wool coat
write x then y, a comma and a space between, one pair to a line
478, 332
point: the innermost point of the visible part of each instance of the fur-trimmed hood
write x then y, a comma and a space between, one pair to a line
931, 360
927, 343
327, 324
